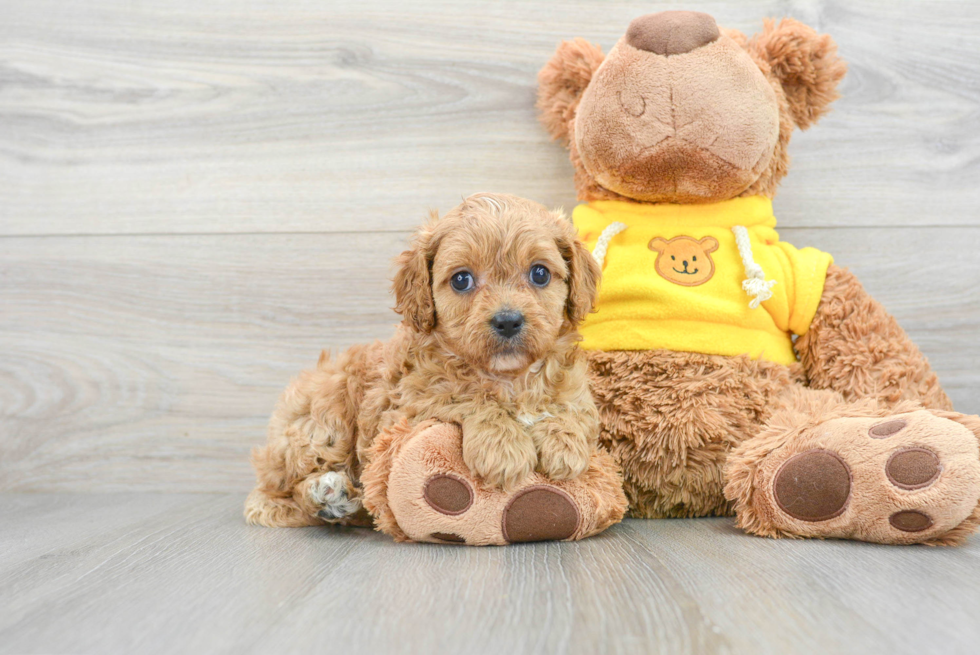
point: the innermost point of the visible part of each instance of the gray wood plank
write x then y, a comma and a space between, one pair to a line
152, 363
221, 116
34, 525
171, 352
194, 578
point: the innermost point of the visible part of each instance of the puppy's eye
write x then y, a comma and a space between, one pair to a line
462, 281
540, 276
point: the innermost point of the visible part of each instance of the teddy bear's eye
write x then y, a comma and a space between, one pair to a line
694, 258
672, 257
462, 281
540, 276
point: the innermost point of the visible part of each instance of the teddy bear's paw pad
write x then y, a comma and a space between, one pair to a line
903, 479
910, 520
448, 494
813, 486
540, 513
913, 468
887, 429
433, 497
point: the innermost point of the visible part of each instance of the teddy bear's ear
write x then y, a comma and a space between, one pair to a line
657, 244
562, 81
806, 64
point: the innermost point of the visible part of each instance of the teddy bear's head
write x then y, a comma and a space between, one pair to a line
681, 111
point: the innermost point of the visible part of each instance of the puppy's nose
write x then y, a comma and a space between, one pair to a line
672, 32
507, 324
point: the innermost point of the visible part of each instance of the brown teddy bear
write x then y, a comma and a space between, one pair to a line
735, 373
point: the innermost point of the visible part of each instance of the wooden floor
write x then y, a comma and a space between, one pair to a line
181, 573
196, 196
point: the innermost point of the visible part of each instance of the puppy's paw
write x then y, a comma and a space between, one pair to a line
333, 493
501, 455
563, 452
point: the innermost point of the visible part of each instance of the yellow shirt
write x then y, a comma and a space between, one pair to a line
673, 279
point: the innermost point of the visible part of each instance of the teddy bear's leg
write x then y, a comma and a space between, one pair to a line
825, 467
858, 349
418, 488
671, 419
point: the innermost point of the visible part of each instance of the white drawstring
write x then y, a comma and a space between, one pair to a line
755, 283
602, 244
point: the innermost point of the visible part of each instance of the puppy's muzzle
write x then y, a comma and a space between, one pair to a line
507, 324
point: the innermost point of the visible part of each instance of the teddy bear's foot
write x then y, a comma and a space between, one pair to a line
418, 489
911, 477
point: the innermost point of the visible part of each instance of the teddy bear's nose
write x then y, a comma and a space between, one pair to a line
672, 32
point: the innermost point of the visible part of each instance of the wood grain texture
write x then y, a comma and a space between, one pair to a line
183, 573
195, 198
229, 116
153, 363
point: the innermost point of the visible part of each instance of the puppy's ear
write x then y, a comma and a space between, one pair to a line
562, 81
412, 283
806, 63
583, 274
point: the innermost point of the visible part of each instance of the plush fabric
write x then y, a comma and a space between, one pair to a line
854, 346
694, 127
822, 421
672, 32
405, 461
673, 279
854, 440
800, 67
671, 418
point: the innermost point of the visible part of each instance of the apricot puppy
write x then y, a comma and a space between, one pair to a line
490, 295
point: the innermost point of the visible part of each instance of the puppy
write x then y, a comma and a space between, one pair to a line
490, 296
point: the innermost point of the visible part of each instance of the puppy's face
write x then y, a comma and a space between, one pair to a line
500, 286
506, 279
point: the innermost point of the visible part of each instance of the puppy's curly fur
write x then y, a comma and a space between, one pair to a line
523, 402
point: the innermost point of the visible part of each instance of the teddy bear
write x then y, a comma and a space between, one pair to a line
734, 373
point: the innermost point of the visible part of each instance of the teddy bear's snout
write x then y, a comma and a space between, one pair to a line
672, 32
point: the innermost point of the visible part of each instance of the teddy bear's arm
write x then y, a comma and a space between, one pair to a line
858, 349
